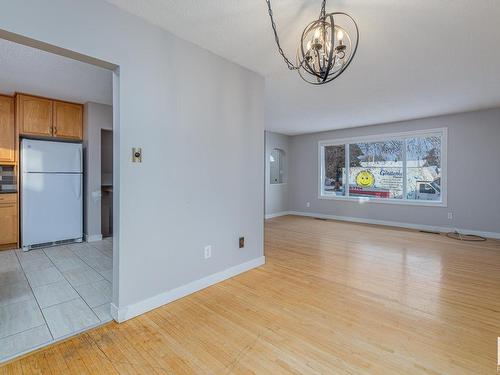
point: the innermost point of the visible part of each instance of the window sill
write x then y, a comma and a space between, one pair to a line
362, 200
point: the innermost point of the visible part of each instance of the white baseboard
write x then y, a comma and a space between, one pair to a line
93, 237
277, 214
128, 312
114, 312
397, 224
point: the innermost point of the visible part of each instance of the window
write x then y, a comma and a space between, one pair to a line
423, 168
376, 169
277, 166
394, 168
335, 171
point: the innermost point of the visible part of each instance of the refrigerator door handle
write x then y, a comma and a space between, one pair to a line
78, 191
79, 157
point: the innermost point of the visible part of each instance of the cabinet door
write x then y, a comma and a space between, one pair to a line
8, 223
7, 131
68, 120
34, 115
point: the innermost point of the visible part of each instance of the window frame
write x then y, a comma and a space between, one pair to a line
402, 136
284, 165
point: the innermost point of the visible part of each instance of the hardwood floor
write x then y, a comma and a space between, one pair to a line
333, 298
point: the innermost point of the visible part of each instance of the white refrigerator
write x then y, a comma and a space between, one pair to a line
51, 193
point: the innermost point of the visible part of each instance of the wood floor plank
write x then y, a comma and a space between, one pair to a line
332, 298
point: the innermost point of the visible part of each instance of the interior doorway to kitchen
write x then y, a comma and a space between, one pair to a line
57, 247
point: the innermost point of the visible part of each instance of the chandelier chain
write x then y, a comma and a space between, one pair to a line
290, 65
323, 10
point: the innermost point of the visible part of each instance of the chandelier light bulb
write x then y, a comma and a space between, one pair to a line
340, 35
317, 34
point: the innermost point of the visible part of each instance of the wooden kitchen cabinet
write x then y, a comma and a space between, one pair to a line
42, 117
8, 221
68, 120
34, 115
7, 130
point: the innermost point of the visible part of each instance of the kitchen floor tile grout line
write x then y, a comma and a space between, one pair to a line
50, 342
83, 260
34, 297
79, 295
95, 247
26, 330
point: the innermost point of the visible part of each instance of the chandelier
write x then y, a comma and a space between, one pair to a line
326, 47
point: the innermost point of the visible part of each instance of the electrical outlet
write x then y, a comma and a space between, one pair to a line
242, 242
208, 251
308, 204
450, 215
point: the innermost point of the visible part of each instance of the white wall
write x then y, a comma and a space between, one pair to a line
199, 120
276, 194
95, 117
473, 178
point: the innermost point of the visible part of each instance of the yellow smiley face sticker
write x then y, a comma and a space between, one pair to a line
365, 179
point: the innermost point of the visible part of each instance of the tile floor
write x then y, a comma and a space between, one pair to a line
48, 294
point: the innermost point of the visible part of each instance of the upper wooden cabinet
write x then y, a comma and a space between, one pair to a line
34, 115
49, 118
68, 120
7, 130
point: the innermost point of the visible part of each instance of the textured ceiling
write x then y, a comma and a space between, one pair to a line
416, 58
29, 70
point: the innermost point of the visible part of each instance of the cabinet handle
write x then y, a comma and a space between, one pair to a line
55, 129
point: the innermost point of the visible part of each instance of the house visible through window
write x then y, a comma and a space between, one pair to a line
405, 168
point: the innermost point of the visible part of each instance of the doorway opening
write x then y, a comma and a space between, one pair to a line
59, 223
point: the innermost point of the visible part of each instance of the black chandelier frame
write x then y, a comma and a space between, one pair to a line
303, 65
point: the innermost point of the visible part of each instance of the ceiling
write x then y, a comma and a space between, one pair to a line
415, 59
30, 70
